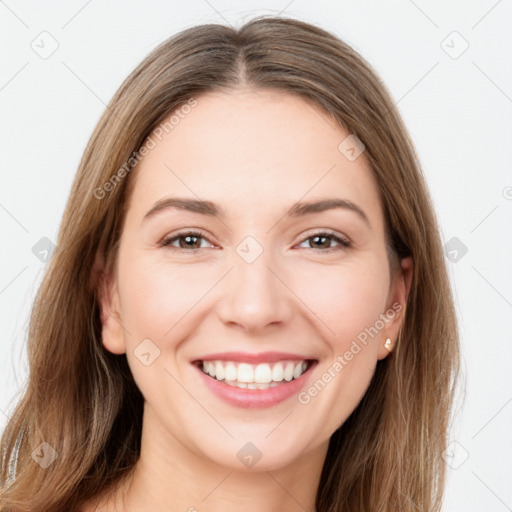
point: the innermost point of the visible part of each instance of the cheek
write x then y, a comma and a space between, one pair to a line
156, 296
157, 303
346, 298
348, 302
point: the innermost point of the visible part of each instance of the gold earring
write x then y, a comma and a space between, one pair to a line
388, 344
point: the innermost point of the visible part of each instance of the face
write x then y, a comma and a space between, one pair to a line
291, 304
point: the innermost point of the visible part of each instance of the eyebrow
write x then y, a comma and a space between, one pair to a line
299, 209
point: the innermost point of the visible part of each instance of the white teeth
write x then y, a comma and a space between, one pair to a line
263, 374
259, 376
277, 372
230, 371
251, 385
219, 371
245, 373
288, 372
297, 372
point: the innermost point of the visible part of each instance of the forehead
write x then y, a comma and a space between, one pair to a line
253, 149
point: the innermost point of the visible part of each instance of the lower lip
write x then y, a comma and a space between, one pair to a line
254, 398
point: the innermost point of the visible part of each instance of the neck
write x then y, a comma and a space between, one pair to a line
171, 477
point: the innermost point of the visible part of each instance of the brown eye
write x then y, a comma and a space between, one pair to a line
323, 241
191, 240
186, 240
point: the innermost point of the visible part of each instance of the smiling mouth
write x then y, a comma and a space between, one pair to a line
252, 376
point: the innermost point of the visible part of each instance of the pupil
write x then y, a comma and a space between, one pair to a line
188, 239
318, 237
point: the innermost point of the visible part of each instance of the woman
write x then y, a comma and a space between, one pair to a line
248, 306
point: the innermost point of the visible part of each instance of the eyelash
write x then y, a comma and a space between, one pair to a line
343, 243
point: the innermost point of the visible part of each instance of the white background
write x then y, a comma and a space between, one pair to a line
458, 111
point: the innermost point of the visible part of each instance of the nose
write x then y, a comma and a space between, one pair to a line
255, 295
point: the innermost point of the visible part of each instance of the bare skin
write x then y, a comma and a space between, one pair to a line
255, 154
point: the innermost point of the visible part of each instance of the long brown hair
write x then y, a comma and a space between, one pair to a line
82, 400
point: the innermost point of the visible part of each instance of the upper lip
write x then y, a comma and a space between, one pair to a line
261, 357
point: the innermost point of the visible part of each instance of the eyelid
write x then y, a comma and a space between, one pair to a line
342, 240
165, 241
326, 231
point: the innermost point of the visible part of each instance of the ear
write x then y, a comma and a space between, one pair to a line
395, 311
112, 332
